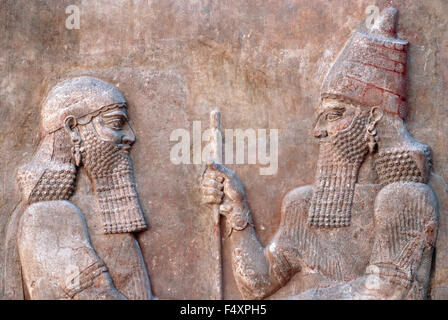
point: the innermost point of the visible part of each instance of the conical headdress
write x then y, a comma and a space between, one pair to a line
371, 69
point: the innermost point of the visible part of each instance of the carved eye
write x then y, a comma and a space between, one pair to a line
335, 115
116, 123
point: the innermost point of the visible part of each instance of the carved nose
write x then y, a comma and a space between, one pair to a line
320, 133
129, 138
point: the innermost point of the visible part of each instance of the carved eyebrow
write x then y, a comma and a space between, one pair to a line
337, 108
114, 113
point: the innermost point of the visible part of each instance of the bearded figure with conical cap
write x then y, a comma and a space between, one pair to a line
366, 228
54, 250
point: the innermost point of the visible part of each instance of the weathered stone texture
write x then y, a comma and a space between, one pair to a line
261, 63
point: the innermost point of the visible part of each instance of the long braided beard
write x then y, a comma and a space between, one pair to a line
337, 171
111, 172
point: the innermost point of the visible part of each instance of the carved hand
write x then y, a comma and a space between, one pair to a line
221, 185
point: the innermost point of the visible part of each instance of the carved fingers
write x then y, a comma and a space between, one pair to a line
212, 188
233, 188
221, 185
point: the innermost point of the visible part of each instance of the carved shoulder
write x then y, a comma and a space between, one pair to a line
409, 210
56, 256
297, 198
407, 196
49, 216
294, 210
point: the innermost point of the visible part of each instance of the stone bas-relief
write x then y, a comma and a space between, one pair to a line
262, 64
84, 124
373, 240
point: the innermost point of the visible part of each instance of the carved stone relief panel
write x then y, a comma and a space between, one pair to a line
322, 176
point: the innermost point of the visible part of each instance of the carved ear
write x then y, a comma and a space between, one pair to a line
376, 114
70, 124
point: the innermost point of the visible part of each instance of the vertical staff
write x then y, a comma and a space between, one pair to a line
216, 155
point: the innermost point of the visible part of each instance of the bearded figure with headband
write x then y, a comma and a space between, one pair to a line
55, 251
341, 238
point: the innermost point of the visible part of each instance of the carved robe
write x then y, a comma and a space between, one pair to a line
391, 235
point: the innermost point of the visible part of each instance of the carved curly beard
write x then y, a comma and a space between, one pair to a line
337, 171
111, 172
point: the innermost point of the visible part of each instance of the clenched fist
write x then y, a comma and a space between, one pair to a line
222, 186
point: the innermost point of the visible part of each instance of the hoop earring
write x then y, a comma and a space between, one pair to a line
70, 124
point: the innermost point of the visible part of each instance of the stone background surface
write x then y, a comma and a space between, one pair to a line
261, 62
